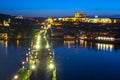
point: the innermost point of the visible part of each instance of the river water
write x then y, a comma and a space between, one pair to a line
81, 60
11, 54
75, 60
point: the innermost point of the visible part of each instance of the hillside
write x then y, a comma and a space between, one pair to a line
4, 17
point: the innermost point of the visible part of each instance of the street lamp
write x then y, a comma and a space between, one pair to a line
38, 38
51, 66
33, 67
23, 63
15, 77
37, 46
47, 46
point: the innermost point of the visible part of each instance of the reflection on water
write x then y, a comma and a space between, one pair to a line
83, 63
18, 43
4, 45
108, 47
79, 60
69, 43
11, 52
85, 44
82, 43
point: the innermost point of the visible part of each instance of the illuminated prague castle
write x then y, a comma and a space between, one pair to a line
78, 17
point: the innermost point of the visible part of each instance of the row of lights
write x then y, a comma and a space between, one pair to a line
33, 66
51, 65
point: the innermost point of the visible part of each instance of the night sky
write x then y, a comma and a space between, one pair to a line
45, 8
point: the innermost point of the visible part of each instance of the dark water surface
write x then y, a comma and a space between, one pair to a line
87, 61
75, 60
11, 53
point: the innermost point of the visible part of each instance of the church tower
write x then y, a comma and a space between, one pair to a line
77, 15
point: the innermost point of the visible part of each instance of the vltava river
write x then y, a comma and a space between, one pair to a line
75, 60
11, 54
80, 60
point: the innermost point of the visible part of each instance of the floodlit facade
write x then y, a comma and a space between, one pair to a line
19, 17
5, 22
78, 17
97, 20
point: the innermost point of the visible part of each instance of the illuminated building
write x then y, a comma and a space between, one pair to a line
50, 19
19, 17
78, 17
4, 36
5, 23
115, 21
97, 20
57, 23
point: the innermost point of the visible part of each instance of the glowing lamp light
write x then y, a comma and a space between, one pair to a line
16, 77
38, 42
51, 61
26, 54
23, 63
37, 46
36, 54
51, 66
33, 67
38, 38
47, 46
